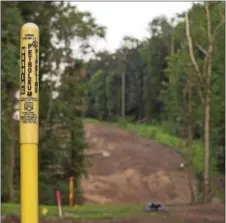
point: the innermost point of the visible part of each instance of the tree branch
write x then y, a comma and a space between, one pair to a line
209, 29
218, 27
190, 46
191, 53
201, 48
222, 21
211, 39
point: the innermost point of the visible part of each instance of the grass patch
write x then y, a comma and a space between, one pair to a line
85, 212
160, 136
90, 120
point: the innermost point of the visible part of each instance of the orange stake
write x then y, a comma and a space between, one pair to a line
71, 191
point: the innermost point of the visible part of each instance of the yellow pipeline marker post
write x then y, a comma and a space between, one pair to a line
29, 112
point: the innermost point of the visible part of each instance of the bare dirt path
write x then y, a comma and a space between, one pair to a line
126, 168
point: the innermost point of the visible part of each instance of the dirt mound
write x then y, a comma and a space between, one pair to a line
125, 168
10, 219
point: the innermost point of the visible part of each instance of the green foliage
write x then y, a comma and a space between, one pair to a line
61, 131
9, 84
98, 90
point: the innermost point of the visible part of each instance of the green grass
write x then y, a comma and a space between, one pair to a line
85, 212
90, 120
161, 136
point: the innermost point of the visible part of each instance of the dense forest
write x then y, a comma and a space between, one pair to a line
174, 79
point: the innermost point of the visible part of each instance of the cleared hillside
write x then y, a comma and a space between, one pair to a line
126, 168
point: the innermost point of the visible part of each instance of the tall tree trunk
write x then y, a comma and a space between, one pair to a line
172, 48
106, 113
123, 96
11, 157
123, 86
147, 87
11, 171
190, 169
207, 149
189, 133
208, 70
189, 141
207, 126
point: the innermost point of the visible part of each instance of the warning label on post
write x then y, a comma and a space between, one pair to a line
29, 116
29, 85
